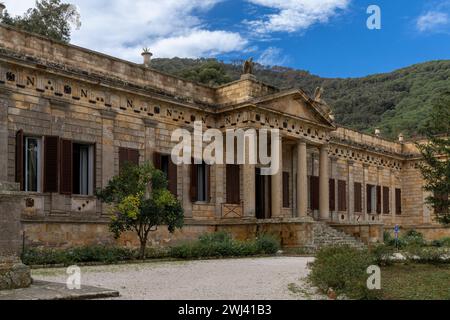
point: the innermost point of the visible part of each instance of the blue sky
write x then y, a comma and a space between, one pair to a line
326, 37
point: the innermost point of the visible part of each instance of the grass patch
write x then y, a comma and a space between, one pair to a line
416, 282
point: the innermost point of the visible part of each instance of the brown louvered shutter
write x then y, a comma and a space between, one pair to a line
386, 200
369, 198
123, 157
133, 156
378, 199
19, 159
193, 189
157, 160
332, 188
358, 197
314, 192
342, 195
51, 159
398, 201
285, 189
172, 177
233, 184
66, 167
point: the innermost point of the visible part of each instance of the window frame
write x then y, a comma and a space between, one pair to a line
39, 166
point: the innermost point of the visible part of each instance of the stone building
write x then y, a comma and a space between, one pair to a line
70, 117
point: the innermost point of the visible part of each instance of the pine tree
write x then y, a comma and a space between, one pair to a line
435, 167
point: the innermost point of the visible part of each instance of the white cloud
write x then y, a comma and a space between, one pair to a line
433, 21
272, 56
295, 15
169, 28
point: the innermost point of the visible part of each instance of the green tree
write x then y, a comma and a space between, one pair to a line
211, 72
141, 202
435, 167
50, 18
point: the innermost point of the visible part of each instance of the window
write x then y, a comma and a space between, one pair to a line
398, 201
233, 184
332, 188
378, 194
358, 197
164, 163
314, 192
285, 189
32, 164
200, 182
342, 195
371, 198
386, 207
83, 169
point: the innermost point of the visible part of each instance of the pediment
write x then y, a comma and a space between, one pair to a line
300, 106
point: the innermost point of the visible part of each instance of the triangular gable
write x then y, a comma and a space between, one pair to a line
298, 105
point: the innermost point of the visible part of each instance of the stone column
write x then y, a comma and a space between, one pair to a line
219, 188
186, 190
302, 180
150, 139
3, 140
277, 183
107, 146
392, 195
351, 192
249, 190
324, 208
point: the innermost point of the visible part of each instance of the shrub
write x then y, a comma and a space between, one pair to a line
382, 254
344, 269
221, 244
428, 255
267, 244
414, 238
444, 242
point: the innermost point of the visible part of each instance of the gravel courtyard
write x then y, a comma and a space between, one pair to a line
251, 278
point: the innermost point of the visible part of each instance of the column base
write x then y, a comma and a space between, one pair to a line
14, 275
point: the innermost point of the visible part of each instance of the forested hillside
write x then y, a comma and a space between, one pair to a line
395, 102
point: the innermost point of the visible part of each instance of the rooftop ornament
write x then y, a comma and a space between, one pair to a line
147, 56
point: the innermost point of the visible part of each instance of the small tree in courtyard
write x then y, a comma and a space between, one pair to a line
141, 202
436, 158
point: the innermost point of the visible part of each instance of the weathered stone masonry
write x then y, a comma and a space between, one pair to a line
93, 112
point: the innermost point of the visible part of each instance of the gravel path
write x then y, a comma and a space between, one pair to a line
252, 278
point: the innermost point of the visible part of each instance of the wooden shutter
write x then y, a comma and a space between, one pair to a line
233, 184
127, 155
172, 177
51, 159
285, 189
314, 192
386, 200
378, 199
398, 201
157, 160
358, 197
19, 159
123, 157
133, 156
342, 195
332, 188
193, 189
66, 166
369, 198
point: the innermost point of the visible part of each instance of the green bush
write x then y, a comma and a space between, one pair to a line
221, 244
381, 254
428, 255
444, 242
344, 269
414, 238
105, 254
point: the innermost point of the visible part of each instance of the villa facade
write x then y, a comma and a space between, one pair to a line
71, 117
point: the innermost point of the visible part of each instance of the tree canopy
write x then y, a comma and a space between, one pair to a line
50, 18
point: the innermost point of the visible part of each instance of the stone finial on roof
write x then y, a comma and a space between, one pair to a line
147, 56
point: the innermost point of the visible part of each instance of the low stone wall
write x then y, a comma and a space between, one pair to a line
430, 232
13, 274
367, 233
292, 233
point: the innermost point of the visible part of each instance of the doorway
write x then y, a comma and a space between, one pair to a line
263, 197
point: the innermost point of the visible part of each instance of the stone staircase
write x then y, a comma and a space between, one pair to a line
324, 235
